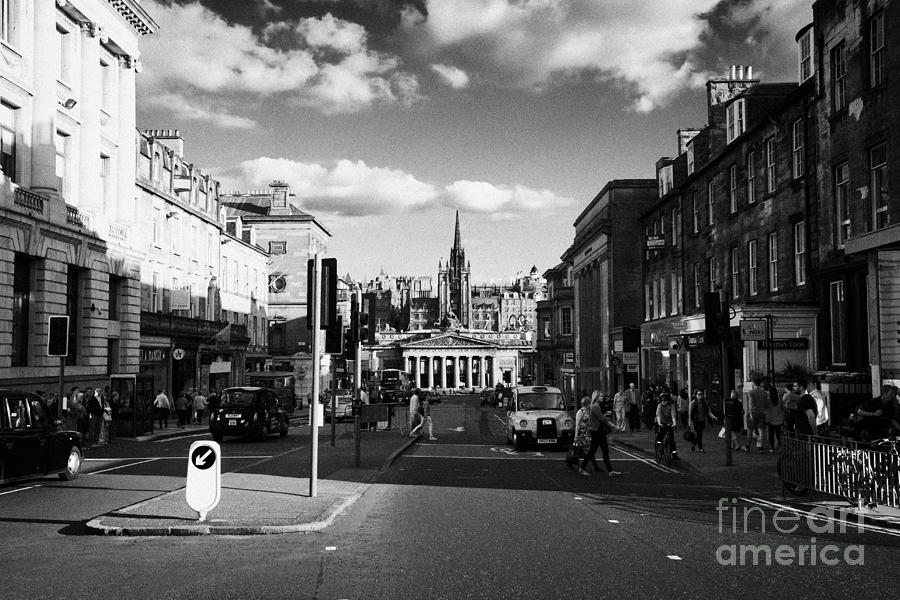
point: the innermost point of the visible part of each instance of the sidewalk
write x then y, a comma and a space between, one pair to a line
752, 473
253, 503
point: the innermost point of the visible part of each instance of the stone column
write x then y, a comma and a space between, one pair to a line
482, 367
443, 360
46, 71
469, 360
126, 159
89, 197
418, 362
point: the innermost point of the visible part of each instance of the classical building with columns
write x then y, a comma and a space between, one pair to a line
68, 204
455, 358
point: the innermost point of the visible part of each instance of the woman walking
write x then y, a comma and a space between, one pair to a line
700, 414
775, 415
599, 427
582, 440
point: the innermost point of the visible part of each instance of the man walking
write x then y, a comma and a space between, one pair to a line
633, 407
161, 403
599, 428
620, 406
414, 408
756, 411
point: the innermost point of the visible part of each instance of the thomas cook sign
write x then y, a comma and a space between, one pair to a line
204, 477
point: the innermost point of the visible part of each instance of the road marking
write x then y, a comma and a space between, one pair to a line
115, 458
180, 437
612, 520
30, 487
131, 464
647, 461
579, 498
502, 422
460, 445
500, 457
822, 517
330, 548
673, 557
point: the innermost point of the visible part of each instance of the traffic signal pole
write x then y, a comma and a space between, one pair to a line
315, 304
357, 381
723, 348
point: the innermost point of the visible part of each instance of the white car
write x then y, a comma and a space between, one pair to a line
537, 414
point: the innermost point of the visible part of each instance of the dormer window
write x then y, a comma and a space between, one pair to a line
806, 58
735, 120
690, 158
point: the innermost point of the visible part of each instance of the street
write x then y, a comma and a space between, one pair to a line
464, 516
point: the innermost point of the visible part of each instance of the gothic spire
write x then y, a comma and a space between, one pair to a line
457, 242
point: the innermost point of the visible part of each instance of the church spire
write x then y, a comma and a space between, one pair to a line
457, 242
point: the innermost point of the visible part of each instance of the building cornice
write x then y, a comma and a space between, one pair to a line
135, 15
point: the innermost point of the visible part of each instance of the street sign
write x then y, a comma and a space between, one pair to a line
615, 360
630, 358
177, 354
655, 242
676, 345
204, 477
753, 329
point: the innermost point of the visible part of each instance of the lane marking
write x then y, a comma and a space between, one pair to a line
647, 461
848, 525
613, 520
117, 458
179, 437
673, 557
330, 548
30, 487
131, 464
505, 457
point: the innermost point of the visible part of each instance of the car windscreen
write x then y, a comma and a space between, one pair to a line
541, 401
238, 399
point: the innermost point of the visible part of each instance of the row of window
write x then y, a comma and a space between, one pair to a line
565, 323
655, 295
875, 47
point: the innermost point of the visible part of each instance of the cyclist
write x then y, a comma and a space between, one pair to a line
665, 421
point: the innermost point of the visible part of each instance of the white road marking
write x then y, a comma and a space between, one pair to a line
502, 421
517, 457
117, 458
30, 487
612, 520
673, 557
822, 517
180, 437
579, 498
330, 548
131, 464
647, 461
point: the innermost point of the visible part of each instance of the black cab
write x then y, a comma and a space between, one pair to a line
32, 443
245, 411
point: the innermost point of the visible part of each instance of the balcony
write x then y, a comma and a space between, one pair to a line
77, 218
199, 330
29, 200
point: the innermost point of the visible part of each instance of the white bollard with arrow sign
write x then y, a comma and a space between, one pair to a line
204, 477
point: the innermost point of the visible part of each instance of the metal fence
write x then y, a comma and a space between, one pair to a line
841, 467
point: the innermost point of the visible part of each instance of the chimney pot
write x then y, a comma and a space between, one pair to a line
749, 72
740, 72
733, 71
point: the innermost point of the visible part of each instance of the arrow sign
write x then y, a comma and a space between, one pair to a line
204, 477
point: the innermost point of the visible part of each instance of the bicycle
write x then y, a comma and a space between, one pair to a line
664, 454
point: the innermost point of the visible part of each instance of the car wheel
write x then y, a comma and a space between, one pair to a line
73, 464
217, 437
517, 441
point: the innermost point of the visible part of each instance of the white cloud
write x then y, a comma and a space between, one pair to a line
500, 201
640, 44
346, 187
322, 62
452, 76
187, 109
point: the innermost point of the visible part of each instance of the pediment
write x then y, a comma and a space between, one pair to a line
449, 340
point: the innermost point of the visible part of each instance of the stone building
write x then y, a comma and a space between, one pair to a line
454, 283
70, 242
555, 342
605, 258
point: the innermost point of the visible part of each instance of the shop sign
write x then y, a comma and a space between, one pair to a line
630, 358
152, 355
695, 340
617, 345
569, 357
785, 344
221, 366
753, 329
181, 297
632, 368
177, 354
655, 242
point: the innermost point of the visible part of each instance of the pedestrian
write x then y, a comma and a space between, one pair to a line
364, 399
620, 407
213, 400
774, 421
114, 402
666, 416
105, 419
649, 407
683, 405
200, 404
582, 439
633, 399
821, 408
699, 415
425, 414
758, 399
789, 402
94, 410
181, 409
806, 409
161, 405
414, 409
599, 427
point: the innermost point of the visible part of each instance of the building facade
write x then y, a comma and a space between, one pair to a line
70, 242
454, 286
556, 331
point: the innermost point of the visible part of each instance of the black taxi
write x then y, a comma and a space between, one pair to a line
32, 443
244, 411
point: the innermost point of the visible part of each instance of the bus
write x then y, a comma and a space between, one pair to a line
394, 385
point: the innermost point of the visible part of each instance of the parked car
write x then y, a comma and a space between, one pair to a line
344, 407
248, 411
537, 414
488, 397
32, 442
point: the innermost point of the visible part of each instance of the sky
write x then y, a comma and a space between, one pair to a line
388, 116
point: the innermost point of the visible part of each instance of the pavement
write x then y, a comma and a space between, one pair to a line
284, 501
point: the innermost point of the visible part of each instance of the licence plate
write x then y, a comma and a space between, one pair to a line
232, 416
232, 422
547, 441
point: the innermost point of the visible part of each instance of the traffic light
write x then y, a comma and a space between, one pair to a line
717, 325
367, 320
328, 297
334, 337
58, 336
349, 344
354, 319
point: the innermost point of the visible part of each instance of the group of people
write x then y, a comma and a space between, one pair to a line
420, 415
592, 429
91, 412
189, 407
